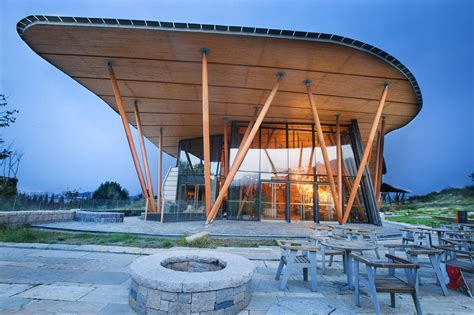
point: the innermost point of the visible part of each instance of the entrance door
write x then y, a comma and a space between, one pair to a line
327, 210
301, 202
193, 196
273, 201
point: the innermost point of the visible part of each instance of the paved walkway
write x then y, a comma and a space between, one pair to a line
229, 228
59, 279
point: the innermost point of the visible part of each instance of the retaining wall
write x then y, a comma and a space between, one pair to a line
99, 217
18, 218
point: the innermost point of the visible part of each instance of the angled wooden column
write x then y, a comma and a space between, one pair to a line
243, 150
339, 159
126, 127
379, 163
368, 146
149, 184
205, 131
226, 148
160, 176
324, 150
249, 128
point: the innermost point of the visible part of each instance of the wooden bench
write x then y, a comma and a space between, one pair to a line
461, 259
386, 283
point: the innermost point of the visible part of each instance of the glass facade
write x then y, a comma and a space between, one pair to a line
283, 176
190, 196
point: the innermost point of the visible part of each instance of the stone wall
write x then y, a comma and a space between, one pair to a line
144, 300
161, 286
99, 217
19, 218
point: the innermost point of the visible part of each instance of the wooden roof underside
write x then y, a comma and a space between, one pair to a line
161, 69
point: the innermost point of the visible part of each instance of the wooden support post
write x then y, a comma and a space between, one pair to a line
379, 163
160, 176
126, 127
243, 150
324, 150
368, 146
205, 131
226, 148
339, 159
149, 184
249, 128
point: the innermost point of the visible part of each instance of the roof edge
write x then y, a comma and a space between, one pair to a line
31, 20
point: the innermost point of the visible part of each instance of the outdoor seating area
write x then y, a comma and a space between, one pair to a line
333, 269
446, 253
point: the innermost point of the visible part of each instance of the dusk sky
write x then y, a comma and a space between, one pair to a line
72, 140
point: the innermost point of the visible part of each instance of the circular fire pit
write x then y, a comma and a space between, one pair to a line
190, 281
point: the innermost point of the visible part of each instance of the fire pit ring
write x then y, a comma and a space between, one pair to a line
190, 281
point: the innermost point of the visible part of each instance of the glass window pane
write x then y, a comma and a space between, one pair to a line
274, 155
242, 200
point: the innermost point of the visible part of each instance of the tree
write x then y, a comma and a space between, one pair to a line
7, 117
110, 190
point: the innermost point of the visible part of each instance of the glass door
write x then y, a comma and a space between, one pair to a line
327, 210
301, 202
193, 197
273, 201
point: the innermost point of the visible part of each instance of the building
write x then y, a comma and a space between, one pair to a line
265, 124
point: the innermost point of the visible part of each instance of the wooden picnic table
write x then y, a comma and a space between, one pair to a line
418, 235
322, 229
349, 246
355, 228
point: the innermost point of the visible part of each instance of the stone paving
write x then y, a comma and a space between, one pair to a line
68, 279
268, 229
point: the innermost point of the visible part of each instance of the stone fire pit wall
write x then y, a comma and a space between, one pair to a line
190, 281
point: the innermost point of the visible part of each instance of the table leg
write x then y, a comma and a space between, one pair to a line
349, 270
435, 263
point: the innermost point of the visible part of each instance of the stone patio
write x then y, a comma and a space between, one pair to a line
225, 228
58, 279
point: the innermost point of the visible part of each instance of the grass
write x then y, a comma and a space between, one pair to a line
29, 235
429, 221
427, 209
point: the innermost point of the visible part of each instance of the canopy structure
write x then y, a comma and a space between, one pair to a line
159, 64
187, 80
387, 188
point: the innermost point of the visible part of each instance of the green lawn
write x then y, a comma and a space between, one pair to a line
28, 235
429, 221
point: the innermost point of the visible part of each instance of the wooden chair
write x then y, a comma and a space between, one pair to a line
413, 251
417, 237
297, 255
386, 283
315, 242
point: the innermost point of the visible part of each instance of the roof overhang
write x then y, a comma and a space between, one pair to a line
158, 64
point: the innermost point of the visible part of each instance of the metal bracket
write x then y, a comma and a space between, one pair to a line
135, 102
308, 82
204, 51
386, 85
109, 64
281, 74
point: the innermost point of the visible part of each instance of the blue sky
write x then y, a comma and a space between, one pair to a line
71, 139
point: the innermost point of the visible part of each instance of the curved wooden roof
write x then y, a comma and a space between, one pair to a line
158, 63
